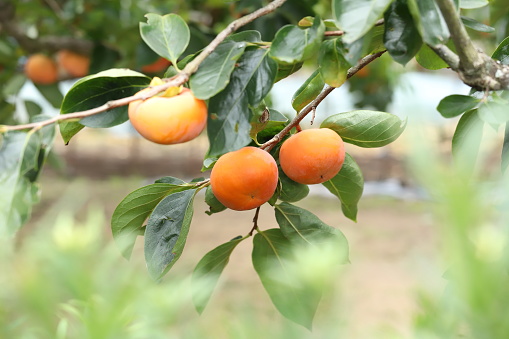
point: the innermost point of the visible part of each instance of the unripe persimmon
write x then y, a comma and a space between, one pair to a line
41, 69
73, 63
244, 179
312, 156
169, 120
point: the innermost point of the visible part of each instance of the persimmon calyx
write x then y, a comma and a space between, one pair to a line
169, 92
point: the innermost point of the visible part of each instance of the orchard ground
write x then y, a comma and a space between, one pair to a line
392, 247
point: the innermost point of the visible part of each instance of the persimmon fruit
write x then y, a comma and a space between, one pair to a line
157, 66
76, 65
244, 179
41, 69
312, 156
169, 119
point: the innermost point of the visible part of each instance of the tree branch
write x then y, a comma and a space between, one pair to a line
177, 80
447, 55
267, 146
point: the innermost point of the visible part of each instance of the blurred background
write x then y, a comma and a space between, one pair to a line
417, 218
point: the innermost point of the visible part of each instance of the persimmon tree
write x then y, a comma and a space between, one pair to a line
234, 71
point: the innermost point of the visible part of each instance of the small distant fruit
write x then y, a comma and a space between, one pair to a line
157, 66
41, 69
76, 65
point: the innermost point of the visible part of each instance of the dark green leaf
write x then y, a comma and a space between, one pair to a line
505, 149
366, 128
215, 206
308, 91
128, 218
468, 4
207, 272
166, 232
347, 185
291, 191
476, 25
467, 139
229, 125
357, 17
272, 259
401, 37
51, 93
304, 228
248, 36
167, 35
429, 21
428, 59
95, 90
285, 70
454, 105
213, 75
263, 126
502, 52
332, 63
292, 44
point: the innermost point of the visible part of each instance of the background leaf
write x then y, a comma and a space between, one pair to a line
291, 191
467, 139
208, 270
505, 149
308, 91
293, 44
468, 4
229, 125
332, 63
357, 17
428, 59
128, 218
476, 25
454, 105
95, 90
502, 52
494, 112
429, 21
166, 232
272, 256
348, 186
366, 128
167, 35
213, 75
401, 37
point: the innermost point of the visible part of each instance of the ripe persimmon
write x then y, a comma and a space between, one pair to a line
244, 179
74, 64
157, 66
312, 156
41, 69
169, 119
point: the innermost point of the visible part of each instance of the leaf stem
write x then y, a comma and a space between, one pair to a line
311, 107
255, 221
175, 81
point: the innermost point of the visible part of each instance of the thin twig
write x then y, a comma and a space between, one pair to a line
340, 33
255, 221
312, 106
177, 80
447, 55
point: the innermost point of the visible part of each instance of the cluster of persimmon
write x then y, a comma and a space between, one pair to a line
42, 69
246, 178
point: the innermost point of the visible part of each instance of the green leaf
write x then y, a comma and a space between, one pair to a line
308, 91
285, 70
454, 105
401, 37
369, 43
366, 128
248, 36
293, 44
215, 206
228, 126
332, 63
502, 52
51, 93
272, 259
166, 232
304, 228
494, 112
429, 21
32, 108
207, 272
348, 186
428, 59
13, 85
128, 218
291, 191
213, 75
357, 17
476, 25
469, 4
467, 139
167, 35
265, 127
95, 90
505, 149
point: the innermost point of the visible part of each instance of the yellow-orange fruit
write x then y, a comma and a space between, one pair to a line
159, 65
41, 69
75, 64
312, 156
244, 179
169, 120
